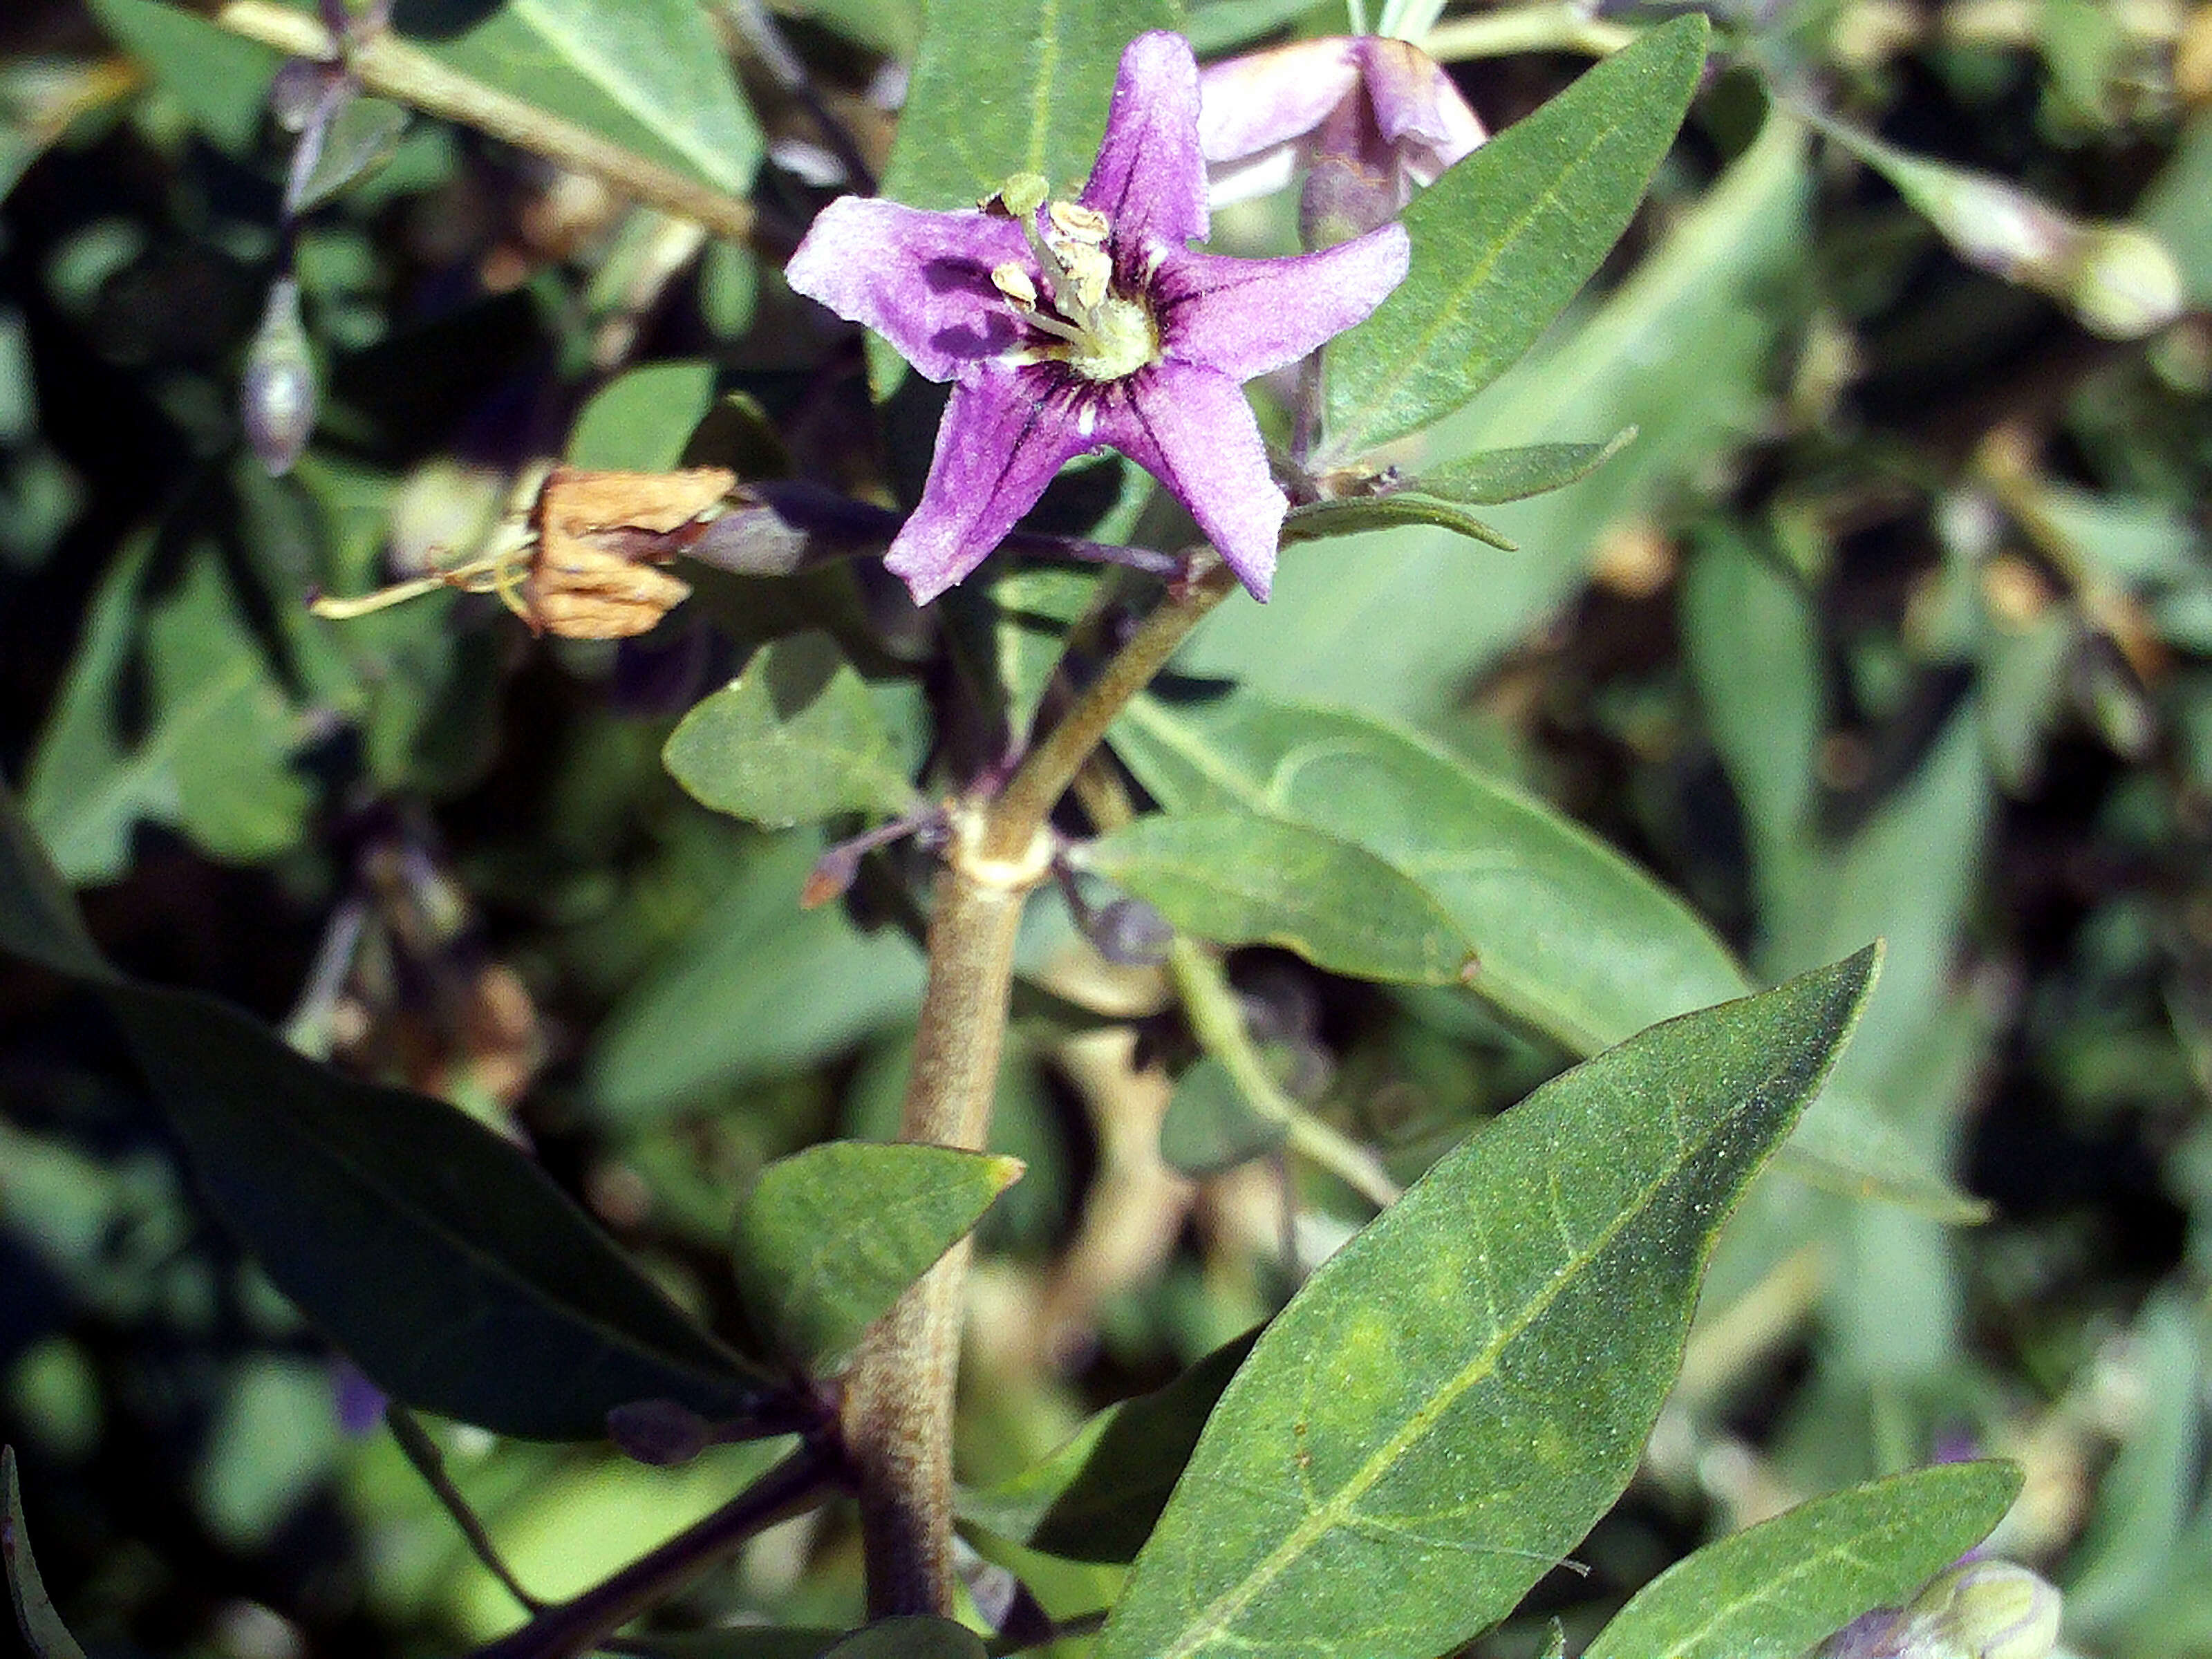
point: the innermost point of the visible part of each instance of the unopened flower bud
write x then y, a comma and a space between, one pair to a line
276, 394
1129, 933
2126, 284
1983, 1610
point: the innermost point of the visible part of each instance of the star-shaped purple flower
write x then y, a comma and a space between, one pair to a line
1066, 327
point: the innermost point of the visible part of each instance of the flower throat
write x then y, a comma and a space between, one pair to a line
1101, 334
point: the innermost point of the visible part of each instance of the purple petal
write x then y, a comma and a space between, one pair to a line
1244, 316
920, 280
1417, 109
1190, 427
1002, 439
1265, 99
1149, 179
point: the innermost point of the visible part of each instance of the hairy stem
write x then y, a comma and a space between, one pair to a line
897, 1415
569, 1628
1034, 790
390, 67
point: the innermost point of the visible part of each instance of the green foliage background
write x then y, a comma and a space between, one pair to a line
1894, 618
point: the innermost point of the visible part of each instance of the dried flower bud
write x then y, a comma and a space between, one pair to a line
276, 394
599, 534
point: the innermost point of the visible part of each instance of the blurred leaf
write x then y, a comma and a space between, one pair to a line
1566, 932
1503, 241
757, 986
892, 28
913, 1636
1210, 1126
1349, 514
794, 738
212, 758
829, 1237
38, 920
1776, 1589
1098, 1497
1842, 1144
1680, 350
737, 1642
2136, 1539
1490, 477
640, 421
1452, 1399
221, 80
271, 1443
362, 138
1243, 878
650, 75
2178, 207
42, 1627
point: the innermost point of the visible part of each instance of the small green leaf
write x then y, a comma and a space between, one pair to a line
43, 1630
794, 738
1449, 1403
829, 1237
1776, 1589
910, 1636
1349, 514
213, 759
1567, 933
640, 422
458, 1276
1241, 879
1504, 239
1492, 476
1210, 1126
1099, 1496
649, 75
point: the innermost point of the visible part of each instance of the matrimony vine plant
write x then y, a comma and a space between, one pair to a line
1446, 1404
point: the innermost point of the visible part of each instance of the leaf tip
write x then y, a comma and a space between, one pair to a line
1006, 1171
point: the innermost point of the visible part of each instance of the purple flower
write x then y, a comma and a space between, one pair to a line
1067, 327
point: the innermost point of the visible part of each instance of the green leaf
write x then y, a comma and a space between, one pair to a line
1775, 1590
640, 421
1349, 514
794, 738
829, 1237
446, 1262
757, 986
1452, 1401
1683, 350
38, 920
1492, 476
1241, 879
1004, 86
1210, 1126
1502, 242
1098, 1498
910, 1636
43, 1630
649, 75
221, 78
213, 759
1567, 933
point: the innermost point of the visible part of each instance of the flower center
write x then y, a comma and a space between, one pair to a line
1101, 333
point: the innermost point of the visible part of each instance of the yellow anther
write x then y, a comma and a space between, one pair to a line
1021, 195
1089, 270
1078, 223
1011, 280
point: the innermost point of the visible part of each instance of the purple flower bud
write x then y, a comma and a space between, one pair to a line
276, 396
659, 1432
1129, 933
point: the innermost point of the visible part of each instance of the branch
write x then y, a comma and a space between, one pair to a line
389, 66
